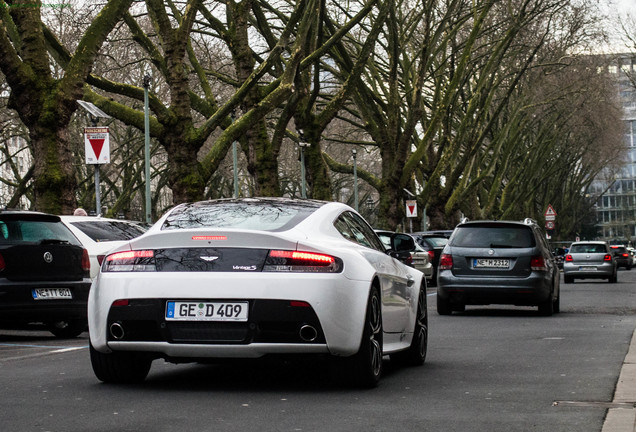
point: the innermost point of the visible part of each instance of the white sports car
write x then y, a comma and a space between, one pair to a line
251, 277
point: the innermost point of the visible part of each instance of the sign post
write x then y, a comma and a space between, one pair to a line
411, 212
550, 218
97, 149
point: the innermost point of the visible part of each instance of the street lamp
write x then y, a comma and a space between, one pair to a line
147, 146
355, 178
302, 144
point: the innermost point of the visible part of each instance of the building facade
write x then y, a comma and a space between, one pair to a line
616, 205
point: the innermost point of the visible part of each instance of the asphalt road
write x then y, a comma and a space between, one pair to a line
488, 369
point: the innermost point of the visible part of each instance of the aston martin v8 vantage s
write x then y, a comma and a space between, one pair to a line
245, 278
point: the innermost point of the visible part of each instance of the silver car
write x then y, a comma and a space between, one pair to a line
589, 260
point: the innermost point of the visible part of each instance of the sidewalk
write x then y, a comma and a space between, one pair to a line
624, 419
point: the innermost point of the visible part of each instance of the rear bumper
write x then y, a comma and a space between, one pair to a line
529, 291
17, 305
600, 271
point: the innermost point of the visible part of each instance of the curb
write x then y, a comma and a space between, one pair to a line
624, 419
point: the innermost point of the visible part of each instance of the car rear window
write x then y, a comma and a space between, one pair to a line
34, 231
588, 248
262, 215
436, 242
101, 231
493, 236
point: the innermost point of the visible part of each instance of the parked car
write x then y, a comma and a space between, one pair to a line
99, 235
433, 242
44, 274
498, 262
622, 256
590, 260
244, 278
419, 258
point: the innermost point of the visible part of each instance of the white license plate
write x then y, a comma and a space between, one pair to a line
51, 293
206, 311
587, 268
491, 263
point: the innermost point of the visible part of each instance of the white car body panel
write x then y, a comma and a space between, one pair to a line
338, 299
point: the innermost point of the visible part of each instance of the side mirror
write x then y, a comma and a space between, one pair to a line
401, 247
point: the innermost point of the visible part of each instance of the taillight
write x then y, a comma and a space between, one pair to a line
100, 259
446, 262
431, 255
569, 258
297, 261
625, 255
409, 260
2, 264
607, 257
537, 263
130, 261
86, 261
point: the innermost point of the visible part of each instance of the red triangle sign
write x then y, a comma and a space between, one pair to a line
97, 145
411, 209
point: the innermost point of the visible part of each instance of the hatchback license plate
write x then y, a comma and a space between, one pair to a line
206, 311
490, 263
51, 293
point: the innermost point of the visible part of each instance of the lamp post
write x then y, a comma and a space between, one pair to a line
355, 178
302, 144
147, 147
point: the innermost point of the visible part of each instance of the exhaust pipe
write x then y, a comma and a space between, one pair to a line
117, 331
308, 333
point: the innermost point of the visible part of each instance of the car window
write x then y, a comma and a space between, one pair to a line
262, 215
493, 236
109, 230
355, 229
588, 248
18, 231
436, 242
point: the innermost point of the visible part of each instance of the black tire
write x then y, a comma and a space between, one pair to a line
556, 307
568, 279
415, 355
444, 306
68, 329
120, 367
613, 278
365, 367
546, 308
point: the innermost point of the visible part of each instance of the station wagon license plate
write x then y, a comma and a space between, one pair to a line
206, 311
51, 293
491, 263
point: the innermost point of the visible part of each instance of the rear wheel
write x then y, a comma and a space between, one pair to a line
614, 277
68, 329
444, 306
365, 367
120, 367
546, 308
568, 279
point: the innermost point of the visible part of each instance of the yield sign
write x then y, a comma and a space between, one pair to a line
97, 145
411, 208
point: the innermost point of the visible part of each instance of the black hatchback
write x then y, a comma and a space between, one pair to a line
498, 262
44, 274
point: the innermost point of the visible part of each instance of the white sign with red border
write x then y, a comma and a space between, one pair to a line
97, 145
550, 214
411, 208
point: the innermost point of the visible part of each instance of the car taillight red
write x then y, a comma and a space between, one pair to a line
569, 258
431, 255
537, 263
130, 261
2, 264
446, 262
298, 261
86, 261
607, 257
